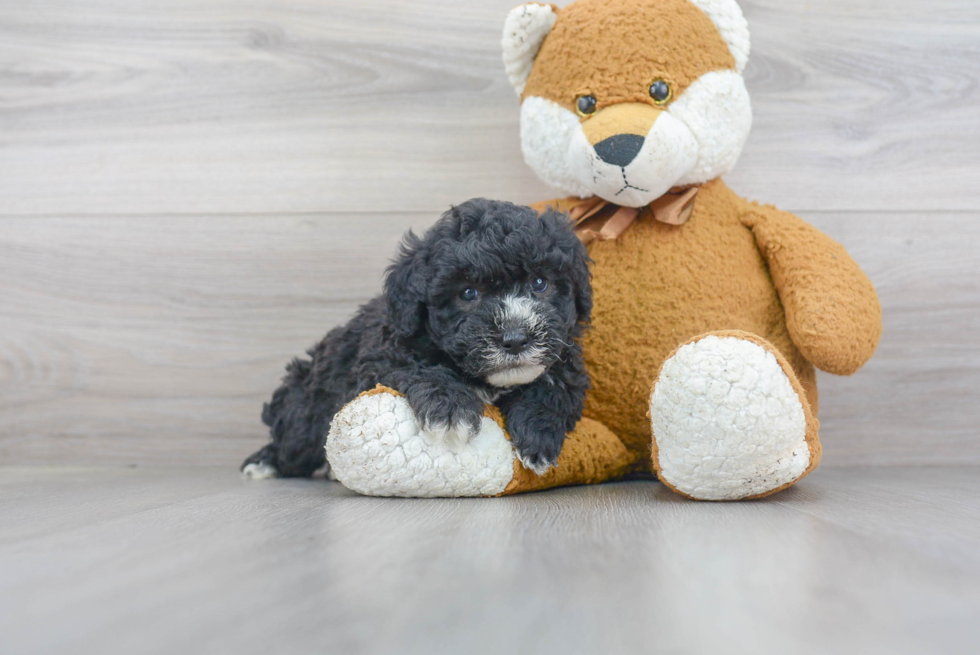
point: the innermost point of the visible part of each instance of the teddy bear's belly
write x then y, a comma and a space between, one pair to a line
656, 287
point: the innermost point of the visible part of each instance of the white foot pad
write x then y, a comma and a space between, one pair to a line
727, 421
376, 447
259, 472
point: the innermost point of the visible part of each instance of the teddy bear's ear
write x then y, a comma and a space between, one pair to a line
524, 32
728, 18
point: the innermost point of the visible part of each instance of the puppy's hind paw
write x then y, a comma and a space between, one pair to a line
259, 471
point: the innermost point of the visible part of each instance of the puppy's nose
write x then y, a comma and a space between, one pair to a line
619, 149
514, 341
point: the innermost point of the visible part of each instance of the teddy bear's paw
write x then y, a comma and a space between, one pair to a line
727, 421
377, 447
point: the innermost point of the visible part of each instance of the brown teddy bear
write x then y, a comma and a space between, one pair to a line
710, 313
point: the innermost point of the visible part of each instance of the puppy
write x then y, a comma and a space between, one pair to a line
486, 307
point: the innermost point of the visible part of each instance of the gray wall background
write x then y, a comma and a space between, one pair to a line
193, 193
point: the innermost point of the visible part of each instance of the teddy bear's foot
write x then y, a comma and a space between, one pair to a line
730, 420
376, 447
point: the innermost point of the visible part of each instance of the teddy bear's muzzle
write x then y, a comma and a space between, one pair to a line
631, 153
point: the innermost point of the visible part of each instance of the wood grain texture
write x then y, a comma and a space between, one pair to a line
915, 401
137, 339
277, 106
870, 561
156, 339
192, 193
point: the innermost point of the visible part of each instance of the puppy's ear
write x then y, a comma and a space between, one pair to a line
404, 287
579, 271
583, 284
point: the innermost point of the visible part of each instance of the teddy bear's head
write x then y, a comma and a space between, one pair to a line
625, 99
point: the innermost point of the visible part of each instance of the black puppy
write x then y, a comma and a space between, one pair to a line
486, 307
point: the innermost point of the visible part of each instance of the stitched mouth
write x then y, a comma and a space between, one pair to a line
627, 184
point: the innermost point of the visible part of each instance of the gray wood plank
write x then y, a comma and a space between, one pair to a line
849, 561
49, 500
156, 340
915, 401
300, 106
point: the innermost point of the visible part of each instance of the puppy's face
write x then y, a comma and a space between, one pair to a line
506, 329
499, 290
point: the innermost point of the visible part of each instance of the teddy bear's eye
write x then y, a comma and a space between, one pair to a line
585, 105
660, 92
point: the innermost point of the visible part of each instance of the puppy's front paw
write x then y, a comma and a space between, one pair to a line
537, 443
539, 457
450, 418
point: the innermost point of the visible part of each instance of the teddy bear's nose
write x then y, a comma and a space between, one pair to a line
619, 149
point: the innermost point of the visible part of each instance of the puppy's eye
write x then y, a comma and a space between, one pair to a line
539, 285
585, 105
660, 92
469, 294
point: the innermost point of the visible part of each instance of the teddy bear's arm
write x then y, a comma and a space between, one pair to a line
832, 311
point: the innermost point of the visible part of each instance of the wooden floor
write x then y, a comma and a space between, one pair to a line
198, 561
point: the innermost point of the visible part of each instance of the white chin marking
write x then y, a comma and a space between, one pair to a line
259, 472
727, 421
511, 377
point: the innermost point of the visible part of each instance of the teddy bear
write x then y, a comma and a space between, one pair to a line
710, 312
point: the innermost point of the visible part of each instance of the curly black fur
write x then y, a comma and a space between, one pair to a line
448, 352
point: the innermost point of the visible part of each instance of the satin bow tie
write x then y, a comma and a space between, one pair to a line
596, 219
